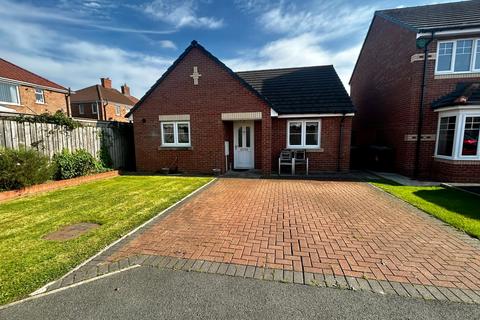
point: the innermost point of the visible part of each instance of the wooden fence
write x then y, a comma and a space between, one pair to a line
50, 139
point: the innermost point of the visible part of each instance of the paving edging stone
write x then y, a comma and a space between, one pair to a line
99, 268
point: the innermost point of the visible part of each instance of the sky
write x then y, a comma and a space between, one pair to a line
75, 42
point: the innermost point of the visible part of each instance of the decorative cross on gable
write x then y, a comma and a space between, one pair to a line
195, 75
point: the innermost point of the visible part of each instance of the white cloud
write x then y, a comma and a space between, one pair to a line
74, 63
318, 34
297, 51
181, 13
167, 44
18, 11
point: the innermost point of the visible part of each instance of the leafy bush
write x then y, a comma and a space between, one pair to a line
59, 118
75, 164
23, 168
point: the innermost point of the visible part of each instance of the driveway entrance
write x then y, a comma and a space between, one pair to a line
333, 228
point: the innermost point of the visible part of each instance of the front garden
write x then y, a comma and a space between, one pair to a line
28, 261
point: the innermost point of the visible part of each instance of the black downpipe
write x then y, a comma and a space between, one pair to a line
340, 144
416, 168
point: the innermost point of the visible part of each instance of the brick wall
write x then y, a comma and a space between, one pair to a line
325, 159
216, 92
107, 112
87, 108
385, 88
54, 101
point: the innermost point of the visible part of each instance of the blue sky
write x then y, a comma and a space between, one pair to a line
75, 42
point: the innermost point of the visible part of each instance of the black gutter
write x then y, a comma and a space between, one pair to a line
416, 168
340, 144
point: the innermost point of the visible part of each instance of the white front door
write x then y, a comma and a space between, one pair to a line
243, 145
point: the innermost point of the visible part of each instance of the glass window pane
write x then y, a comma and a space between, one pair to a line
94, 108
240, 137
168, 135
463, 55
39, 96
445, 51
247, 136
80, 109
470, 137
311, 138
295, 138
183, 133
8, 93
477, 59
446, 136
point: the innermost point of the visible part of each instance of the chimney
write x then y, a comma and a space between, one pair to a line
106, 83
125, 90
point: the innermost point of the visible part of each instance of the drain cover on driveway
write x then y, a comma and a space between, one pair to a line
71, 232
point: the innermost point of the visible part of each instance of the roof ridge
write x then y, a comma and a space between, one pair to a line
289, 68
17, 66
425, 5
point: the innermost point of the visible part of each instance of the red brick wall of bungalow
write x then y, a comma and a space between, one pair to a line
386, 89
209, 107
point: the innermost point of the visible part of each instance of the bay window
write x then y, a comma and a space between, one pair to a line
9, 93
470, 136
458, 134
303, 134
175, 134
446, 135
458, 56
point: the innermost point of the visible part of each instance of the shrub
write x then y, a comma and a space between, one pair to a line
59, 118
23, 168
75, 164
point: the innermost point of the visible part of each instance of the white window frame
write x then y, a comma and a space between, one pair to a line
458, 136
94, 110
475, 44
42, 92
304, 134
119, 109
175, 134
18, 95
81, 108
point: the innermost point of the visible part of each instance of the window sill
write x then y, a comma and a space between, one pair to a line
458, 161
173, 148
308, 150
11, 104
457, 75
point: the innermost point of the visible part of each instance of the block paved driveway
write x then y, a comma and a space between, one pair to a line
334, 228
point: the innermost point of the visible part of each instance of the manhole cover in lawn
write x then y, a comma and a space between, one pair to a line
71, 232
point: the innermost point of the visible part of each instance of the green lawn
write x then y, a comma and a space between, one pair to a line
28, 262
457, 208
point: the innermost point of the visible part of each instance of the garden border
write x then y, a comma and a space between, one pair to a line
54, 185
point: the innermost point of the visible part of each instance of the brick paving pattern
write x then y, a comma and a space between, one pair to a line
340, 230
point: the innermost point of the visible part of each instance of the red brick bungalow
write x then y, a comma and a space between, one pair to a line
200, 116
418, 75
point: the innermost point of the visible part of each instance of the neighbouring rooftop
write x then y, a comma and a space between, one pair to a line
453, 15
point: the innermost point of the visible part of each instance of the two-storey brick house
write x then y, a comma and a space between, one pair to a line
24, 92
102, 102
418, 75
